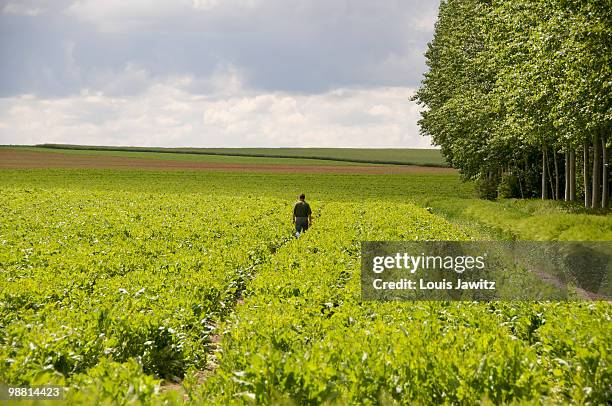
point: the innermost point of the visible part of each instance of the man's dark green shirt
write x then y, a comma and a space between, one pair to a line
301, 209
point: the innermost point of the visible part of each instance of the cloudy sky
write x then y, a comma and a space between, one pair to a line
327, 73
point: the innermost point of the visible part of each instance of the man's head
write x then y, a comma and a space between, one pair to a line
302, 197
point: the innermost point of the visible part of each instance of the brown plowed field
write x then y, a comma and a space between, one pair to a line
23, 159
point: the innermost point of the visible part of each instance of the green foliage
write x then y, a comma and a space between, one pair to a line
112, 383
524, 219
284, 185
456, 90
122, 275
509, 78
486, 187
509, 186
303, 335
114, 280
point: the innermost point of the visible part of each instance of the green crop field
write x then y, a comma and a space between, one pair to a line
180, 157
188, 286
400, 156
474, 272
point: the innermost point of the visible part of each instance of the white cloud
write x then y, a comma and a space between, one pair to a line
124, 16
426, 21
213, 72
28, 8
166, 115
204, 4
132, 80
305, 46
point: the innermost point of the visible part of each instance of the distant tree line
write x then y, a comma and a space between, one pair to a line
518, 96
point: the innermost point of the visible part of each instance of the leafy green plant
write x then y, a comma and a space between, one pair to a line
115, 285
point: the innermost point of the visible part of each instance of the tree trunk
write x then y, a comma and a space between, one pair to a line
596, 194
519, 176
572, 175
567, 175
550, 178
586, 177
544, 188
605, 193
557, 191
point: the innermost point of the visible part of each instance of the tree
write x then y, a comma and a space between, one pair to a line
517, 85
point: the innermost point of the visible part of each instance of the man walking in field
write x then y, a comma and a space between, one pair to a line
302, 215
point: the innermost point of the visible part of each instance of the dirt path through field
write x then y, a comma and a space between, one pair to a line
23, 159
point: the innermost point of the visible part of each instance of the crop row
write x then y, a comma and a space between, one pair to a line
303, 335
109, 292
88, 279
